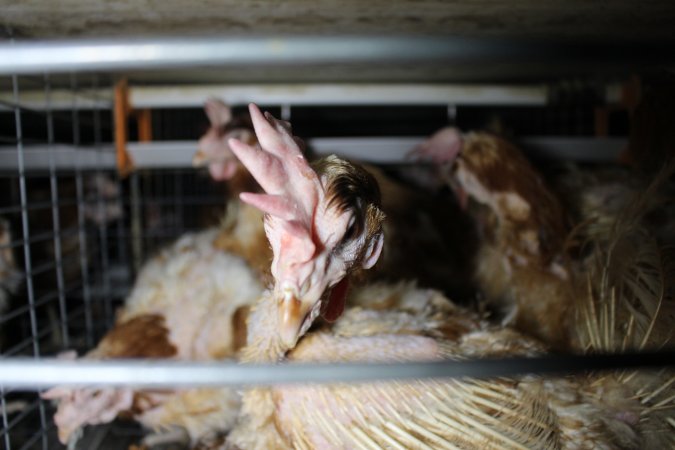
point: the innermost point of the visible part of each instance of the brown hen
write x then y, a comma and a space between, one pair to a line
520, 266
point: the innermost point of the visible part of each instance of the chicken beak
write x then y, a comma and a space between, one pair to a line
292, 313
199, 159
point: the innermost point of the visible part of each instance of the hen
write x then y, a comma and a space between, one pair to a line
528, 412
189, 302
629, 304
407, 324
428, 239
521, 266
214, 150
324, 223
402, 323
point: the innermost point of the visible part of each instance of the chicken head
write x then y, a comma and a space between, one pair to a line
323, 223
213, 148
442, 150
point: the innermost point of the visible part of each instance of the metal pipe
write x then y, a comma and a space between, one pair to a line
35, 374
296, 94
125, 54
351, 94
379, 150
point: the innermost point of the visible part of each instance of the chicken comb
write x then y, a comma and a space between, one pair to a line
292, 188
218, 112
442, 147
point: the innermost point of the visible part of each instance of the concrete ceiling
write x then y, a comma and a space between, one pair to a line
572, 19
609, 23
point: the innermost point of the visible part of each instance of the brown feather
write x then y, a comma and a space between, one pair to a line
521, 266
239, 332
144, 336
503, 169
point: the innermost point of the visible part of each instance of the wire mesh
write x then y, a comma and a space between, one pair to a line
55, 287
68, 236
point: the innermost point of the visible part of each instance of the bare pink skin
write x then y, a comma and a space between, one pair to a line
442, 149
213, 147
86, 406
302, 229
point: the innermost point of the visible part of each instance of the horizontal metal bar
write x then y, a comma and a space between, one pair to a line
59, 99
178, 154
123, 54
394, 150
36, 374
340, 94
389, 150
297, 94
64, 157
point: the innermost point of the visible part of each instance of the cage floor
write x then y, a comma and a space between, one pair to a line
118, 435
114, 436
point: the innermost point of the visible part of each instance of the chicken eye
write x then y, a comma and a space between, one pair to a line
351, 230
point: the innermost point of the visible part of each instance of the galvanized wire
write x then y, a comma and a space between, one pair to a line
36, 374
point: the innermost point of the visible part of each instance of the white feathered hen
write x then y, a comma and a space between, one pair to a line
529, 412
189, 302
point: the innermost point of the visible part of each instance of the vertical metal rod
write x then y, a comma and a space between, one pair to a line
65, 338
452, 114
153, 191
81, 225
122, 235
24, 217
102, 215
5, 422
163, 193
178, 191
26, 239
84, 263
159, 192
75, 111
286, 112
122, 258
136, 238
